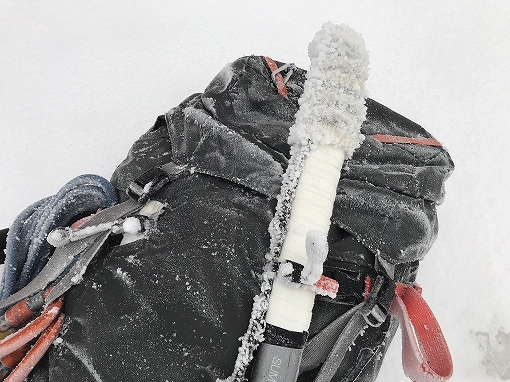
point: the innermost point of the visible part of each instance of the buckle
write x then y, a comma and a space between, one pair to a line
375, 317
377, 305
149, 183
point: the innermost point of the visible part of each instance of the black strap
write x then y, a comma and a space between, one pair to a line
149, 183
346, 339
318, 348
331, 344
3, 244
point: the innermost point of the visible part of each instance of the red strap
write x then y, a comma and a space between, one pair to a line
280, 83
328, 285
397, 139
425, 354
37, 351
367, 287
79, 223
32, 329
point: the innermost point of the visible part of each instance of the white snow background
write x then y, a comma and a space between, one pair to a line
80, 81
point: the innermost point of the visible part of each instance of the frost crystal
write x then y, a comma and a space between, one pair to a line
332, 106
132, 225
316, 252
332, 109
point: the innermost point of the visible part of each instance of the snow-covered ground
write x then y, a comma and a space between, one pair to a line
80, 82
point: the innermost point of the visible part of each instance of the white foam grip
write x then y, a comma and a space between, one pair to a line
289, 307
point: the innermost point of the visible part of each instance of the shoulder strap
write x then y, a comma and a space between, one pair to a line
425, 353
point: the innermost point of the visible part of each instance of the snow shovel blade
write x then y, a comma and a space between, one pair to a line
73, 277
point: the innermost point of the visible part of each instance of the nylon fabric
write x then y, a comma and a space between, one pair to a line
343, 345
318, 348
280, 83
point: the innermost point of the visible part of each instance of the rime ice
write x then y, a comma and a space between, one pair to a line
331, 111
332, 106
316, 251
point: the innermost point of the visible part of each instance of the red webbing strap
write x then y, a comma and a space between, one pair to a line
280, 83
425, 354
398, 139
37, 351
327, 285
32, 329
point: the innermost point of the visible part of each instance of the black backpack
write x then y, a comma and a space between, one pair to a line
165, 291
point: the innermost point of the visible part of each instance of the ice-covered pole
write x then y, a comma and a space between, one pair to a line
325, 133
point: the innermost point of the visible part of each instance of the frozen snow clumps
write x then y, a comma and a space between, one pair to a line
332, 107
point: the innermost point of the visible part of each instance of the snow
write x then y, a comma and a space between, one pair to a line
132, 225
84, 358
285, 271
331, 111
332, 106
59, 237
316, 252
62, 236
123, 276
75, 92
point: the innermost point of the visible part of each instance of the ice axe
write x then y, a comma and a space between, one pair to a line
325, 133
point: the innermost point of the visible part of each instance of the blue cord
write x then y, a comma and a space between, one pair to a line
27, 250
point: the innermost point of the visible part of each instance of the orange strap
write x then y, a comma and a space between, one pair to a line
327, 285
280, 83
397, 139
37, 351
425, 354
15, 351
32, 329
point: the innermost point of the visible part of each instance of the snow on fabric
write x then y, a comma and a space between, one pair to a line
447, 84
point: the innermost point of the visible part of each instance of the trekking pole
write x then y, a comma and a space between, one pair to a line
326, 132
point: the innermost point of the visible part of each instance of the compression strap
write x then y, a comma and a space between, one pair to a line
425, 354
279, 80
398, 139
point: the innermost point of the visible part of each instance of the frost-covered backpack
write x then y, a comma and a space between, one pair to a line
170, 271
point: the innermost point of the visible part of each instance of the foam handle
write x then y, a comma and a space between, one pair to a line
290, 308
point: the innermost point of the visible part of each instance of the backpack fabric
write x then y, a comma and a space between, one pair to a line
172, 306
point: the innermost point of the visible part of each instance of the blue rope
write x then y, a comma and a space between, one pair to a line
27, 250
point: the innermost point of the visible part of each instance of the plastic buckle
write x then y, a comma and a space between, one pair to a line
375, 317
145, 186
150, 182
378, 302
